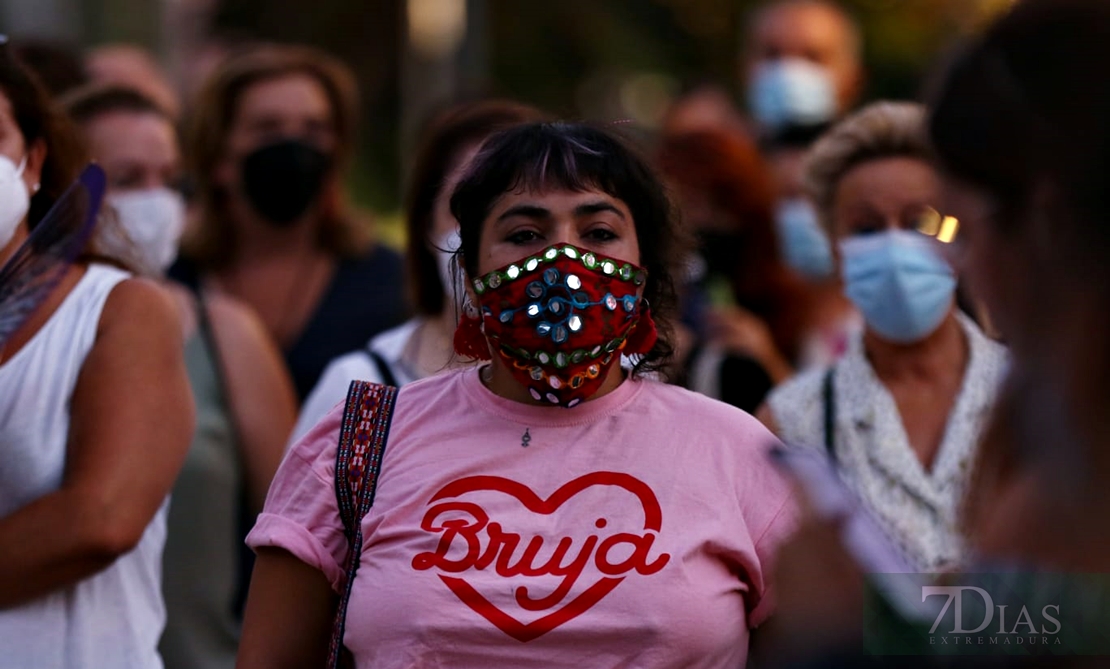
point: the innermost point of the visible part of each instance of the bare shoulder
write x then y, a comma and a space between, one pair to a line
251, 356
139, 304
236, 323
256, 372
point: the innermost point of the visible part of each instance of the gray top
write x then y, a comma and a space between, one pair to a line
202, 558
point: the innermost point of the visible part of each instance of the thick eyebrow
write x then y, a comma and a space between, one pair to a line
525, 210
588, 209
537, 212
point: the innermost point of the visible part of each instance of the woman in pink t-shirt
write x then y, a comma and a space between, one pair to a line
548, 507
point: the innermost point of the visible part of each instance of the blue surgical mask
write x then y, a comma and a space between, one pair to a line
900, 283
791, 91
805, 246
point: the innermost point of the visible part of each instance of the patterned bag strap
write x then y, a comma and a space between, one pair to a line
358, 461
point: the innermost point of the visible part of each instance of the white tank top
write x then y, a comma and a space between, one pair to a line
111, 619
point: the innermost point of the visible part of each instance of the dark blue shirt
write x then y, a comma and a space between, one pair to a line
366, 296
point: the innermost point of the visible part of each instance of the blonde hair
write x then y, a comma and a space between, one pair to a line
211, 242
880, 130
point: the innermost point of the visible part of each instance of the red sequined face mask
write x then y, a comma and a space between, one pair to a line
560, 320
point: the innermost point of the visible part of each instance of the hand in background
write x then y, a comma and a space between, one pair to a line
740, 332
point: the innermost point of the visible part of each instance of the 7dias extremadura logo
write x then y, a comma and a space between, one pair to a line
982, 622
1006, 612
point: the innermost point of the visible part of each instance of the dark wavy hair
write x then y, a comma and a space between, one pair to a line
579, 157
451, 133
39, 119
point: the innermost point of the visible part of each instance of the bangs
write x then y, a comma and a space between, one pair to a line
575, 157
572, 164
550, 156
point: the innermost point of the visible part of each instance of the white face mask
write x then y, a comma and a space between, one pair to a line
450, 274
154, 220
15, 201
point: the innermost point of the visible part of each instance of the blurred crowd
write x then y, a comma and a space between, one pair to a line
912, 290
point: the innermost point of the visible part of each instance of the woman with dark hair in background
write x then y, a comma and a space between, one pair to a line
762, 321
662, 512
273, 134
422, 346
244, 398
95, 420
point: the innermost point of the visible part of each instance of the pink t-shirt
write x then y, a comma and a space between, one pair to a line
633, 530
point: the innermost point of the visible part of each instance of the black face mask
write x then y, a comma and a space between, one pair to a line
282, 180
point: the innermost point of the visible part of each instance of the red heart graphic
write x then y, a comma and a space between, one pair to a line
476, 558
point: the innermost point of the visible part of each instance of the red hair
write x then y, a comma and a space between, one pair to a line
726, 168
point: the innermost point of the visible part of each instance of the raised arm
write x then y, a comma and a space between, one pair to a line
131, 423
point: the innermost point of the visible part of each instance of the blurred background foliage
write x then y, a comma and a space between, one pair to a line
600, 60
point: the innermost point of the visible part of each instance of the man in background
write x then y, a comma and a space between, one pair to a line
802, 64
802, 70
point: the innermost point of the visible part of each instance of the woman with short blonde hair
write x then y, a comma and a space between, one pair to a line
901, 412
884, 129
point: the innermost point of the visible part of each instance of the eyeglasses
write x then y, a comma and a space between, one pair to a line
930, 222
917, 218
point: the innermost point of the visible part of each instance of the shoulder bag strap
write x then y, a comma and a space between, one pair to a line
358, 462
388, 377
829, 399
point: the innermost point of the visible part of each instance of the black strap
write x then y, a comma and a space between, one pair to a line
388, 378
830, 414
358, 460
